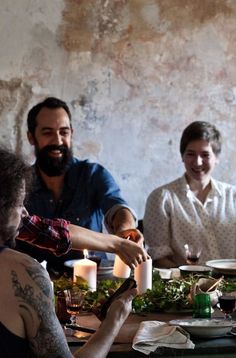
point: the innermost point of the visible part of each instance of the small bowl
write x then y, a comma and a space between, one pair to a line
164, 273
194, 270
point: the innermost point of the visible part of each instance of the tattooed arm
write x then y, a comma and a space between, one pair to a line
33, 292
100, 343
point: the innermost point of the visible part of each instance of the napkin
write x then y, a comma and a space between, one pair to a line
154, 334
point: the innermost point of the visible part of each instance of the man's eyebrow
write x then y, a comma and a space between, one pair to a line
51, 128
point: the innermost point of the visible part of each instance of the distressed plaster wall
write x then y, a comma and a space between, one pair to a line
135, 73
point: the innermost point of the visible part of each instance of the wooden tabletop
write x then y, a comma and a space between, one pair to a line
122, 347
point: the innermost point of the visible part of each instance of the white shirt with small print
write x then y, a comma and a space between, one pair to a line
174, 216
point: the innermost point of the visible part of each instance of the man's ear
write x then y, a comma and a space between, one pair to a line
30, 138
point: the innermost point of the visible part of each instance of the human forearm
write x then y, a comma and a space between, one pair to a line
129, 252
83, 238
100, 343
123, 220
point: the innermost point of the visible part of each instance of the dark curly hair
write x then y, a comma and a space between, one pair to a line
14, 172
50, 102
201, 130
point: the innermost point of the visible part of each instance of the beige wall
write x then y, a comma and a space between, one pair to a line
135, 73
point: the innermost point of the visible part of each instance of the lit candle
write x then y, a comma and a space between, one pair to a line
120, 269
86, 269
143, 276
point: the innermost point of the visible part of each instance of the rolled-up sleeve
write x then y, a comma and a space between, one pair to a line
108, 219
46, 234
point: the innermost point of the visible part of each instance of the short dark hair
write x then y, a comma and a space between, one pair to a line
49, 102
201, 130
14, 171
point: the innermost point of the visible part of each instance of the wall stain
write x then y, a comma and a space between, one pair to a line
15, 96
100, 25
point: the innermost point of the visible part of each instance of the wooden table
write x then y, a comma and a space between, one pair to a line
122, 347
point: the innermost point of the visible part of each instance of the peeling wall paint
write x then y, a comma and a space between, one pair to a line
135, 73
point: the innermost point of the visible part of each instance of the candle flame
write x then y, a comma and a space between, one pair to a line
85, 253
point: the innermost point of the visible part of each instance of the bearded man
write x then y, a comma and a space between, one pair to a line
79, 191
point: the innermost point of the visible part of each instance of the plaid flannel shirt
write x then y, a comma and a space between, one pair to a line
47, 234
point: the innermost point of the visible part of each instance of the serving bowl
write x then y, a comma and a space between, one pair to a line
210, 328
224, 266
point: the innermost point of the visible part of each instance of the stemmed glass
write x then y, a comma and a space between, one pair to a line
74, 302
192, 253
227, 305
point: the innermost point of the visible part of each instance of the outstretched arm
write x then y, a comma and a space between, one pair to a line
58, 236
129, 251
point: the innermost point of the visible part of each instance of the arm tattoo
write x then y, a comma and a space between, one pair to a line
49, 339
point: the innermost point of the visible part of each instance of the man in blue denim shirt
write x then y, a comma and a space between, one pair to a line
79, 191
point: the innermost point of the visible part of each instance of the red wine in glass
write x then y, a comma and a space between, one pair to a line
192, 253
227, 305
74, 303
192, 260
73, 308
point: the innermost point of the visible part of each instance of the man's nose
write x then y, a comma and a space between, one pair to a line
57, 139
24, 213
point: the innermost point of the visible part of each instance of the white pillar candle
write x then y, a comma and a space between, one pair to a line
86, 269
120, 269
143, 276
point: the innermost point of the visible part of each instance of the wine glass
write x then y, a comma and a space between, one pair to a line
74, 302
94, 257
227, 305
192, 253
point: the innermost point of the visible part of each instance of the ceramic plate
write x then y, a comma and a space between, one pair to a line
227, 266
105, 264
194, 269
70, 263
209, 328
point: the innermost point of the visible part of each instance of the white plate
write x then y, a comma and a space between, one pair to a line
106, 265
227, 266
70, 263
204, 327
194, 269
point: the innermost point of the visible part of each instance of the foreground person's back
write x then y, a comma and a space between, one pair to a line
11, 345
28, 322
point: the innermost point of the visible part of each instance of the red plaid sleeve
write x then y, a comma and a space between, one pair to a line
46, 234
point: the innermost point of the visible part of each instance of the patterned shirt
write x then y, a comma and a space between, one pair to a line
174, 216
46, 234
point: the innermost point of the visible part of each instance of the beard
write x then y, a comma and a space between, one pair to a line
11, 233
53, 167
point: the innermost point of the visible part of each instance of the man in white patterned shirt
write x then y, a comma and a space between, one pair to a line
193, 208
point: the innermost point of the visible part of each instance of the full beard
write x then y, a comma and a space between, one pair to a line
53, 167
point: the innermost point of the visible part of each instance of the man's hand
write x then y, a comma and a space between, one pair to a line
131, 253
